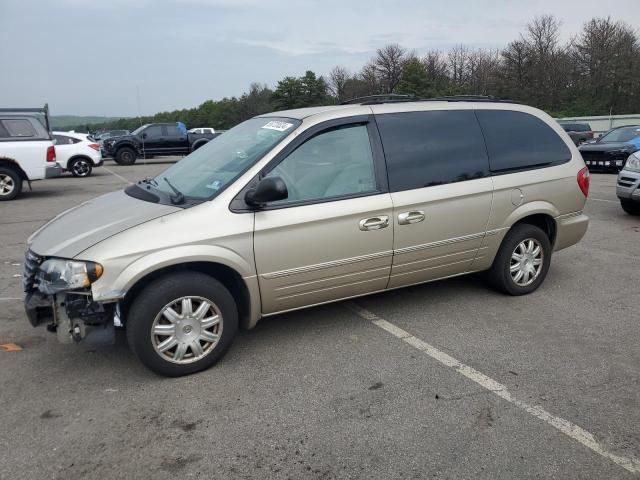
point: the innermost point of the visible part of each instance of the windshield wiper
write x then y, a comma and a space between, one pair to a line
179, 196
150, 181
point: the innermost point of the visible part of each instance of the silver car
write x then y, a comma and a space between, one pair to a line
303, 207
628, 188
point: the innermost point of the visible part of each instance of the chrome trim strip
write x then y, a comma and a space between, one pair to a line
321, 266
496, 231
439, 243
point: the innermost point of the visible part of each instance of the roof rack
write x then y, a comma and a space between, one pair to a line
42, 110
394, 98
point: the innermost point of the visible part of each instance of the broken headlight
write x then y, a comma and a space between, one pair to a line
59, 275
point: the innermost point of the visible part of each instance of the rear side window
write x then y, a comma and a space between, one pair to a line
424, 149
518, 141
19, 128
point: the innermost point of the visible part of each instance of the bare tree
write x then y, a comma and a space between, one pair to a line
458, 62
388, 66
338, 78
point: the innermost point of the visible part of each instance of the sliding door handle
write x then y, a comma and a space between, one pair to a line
408, 218
374, 223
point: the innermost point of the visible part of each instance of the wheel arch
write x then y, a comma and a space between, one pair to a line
539, 214
199, 143
11, 163
78, 157
225, 274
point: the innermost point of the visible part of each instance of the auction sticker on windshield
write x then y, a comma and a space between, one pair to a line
279, 126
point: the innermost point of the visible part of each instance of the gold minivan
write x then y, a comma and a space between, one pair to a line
303, 207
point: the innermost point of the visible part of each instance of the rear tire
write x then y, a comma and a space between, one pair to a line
174, 338
125, 156
629, 206
81, 167
10, 184
525, 251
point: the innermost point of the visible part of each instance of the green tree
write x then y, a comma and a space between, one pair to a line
414, 79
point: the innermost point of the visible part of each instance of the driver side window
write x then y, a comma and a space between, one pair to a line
334, 163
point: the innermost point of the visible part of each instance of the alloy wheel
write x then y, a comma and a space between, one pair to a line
7, 185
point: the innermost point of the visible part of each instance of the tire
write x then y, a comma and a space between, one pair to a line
125, 156
10, 184
146, 316
81, 167
629, 206
197, 145
516, 242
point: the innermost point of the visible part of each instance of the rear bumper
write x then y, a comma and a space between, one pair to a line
628, 185
570, 228
53, 171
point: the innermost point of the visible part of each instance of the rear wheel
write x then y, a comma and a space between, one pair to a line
522, 262
81, 167
125, 156
10, 183
182, 323
629, 206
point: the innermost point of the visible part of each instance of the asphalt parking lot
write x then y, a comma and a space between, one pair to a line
340, 391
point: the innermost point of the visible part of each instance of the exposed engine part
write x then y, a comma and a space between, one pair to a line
91, 313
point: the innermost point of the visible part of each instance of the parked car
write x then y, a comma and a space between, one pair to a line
110, 134
153, 139
202, 130
299, 208
609, 152
76, 153
628, 188
579, 132
27, 152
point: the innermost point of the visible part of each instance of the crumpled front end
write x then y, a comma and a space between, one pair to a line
72, 314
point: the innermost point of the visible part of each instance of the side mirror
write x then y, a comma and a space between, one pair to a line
269, 189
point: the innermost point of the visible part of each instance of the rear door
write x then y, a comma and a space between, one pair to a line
332, 238
176, 140
440, 188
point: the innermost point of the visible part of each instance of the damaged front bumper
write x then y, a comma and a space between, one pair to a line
74, 316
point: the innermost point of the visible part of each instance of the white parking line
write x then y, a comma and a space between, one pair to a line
570, 429
9, 299
117, 175
602, 200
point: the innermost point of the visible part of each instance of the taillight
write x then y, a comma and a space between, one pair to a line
95, 146
51, 154
583, 181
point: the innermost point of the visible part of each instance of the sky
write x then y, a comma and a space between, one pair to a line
130, 57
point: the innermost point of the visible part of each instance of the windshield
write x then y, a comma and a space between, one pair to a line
139, 129
206, 171
620, 135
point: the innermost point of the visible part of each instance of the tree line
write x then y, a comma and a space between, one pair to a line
596, 72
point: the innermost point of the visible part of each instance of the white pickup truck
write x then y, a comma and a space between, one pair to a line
27, 151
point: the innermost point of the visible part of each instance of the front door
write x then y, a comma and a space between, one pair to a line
441, 191
332, 237
153, 140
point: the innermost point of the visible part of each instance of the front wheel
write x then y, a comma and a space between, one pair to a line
10, 184
629, 206
522, 262
81, 167
182, 323
125, 156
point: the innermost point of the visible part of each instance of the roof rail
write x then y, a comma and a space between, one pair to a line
394, 97
42, 110
382, 98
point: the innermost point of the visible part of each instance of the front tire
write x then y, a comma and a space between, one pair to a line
125, 156
182, 323
629, 206
522, 262
10, 184
81, 167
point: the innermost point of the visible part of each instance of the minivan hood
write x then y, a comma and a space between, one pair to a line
81, 227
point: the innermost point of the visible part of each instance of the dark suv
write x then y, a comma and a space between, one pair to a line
579, 132
153, 139
610, 152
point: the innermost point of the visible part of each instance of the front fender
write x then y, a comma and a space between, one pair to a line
112, 288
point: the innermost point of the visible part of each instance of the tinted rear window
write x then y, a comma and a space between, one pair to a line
19, 128
432, 148
576, 127
517, 141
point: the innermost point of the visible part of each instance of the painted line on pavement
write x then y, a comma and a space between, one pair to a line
117, 175
602, 200
564, 426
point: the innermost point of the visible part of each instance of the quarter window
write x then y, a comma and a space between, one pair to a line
334, 163
519, 141
424, 149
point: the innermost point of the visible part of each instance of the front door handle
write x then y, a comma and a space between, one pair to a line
374, 223
408, 218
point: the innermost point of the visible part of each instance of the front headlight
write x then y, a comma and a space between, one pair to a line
633, 162
59, 275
